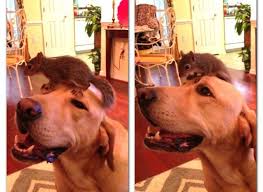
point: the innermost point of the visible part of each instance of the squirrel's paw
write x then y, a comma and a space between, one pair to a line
77, 92
46, 88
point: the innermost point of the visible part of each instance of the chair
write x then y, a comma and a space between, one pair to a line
162, 52
16, 53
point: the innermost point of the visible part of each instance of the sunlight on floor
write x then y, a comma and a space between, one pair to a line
232, 60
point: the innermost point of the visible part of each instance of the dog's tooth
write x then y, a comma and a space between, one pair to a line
23, 150
30, 149
157, 136
148, 129
17, 148
151, 129
16, 139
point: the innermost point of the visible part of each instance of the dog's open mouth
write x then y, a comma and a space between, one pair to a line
160, 139
26, 149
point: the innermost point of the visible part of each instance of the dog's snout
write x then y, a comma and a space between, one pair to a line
146, 96
28, 109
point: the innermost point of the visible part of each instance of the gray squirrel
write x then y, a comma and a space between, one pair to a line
71, 71
194, 65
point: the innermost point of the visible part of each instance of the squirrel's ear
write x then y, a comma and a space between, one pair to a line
182, 53
40, 57
191, 53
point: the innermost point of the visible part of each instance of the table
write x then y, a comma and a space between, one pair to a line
111, 33
117, 32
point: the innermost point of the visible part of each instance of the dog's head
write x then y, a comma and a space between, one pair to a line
57, 123
34, 64
206, 112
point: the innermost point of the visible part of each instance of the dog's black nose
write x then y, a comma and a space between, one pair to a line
27, 110
146, 96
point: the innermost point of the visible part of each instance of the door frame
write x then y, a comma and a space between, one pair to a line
221, 30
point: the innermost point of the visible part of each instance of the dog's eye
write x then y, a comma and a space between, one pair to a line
78, 104
204, 91
187, 67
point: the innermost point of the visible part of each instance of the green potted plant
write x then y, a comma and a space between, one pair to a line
245, 54
93, 17
242, 17
95, 59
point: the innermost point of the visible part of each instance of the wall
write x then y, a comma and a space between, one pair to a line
34, 26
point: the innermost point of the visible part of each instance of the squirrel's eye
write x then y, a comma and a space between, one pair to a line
29, 66
204, 91
187, 67
78, 104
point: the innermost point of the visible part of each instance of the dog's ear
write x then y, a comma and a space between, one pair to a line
191, 53
247, 127
108, 94
224, 76
107, 140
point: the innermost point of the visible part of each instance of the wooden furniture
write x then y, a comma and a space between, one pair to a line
112, 33
16, 50
162, 50
253, 47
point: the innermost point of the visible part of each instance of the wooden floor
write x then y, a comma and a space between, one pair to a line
149, 163
118, 112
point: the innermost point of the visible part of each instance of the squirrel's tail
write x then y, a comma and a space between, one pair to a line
106, 90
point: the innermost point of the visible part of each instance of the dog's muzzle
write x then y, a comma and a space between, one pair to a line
26, 148
27, 111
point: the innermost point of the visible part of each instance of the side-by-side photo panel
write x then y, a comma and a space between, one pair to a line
67, 95
195, 104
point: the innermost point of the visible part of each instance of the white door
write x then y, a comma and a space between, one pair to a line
58, 27
208, 26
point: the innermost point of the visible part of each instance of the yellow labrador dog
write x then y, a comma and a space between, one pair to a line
212, 117
89, 150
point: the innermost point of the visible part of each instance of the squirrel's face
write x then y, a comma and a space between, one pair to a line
188, 68
186, 65
32, 67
